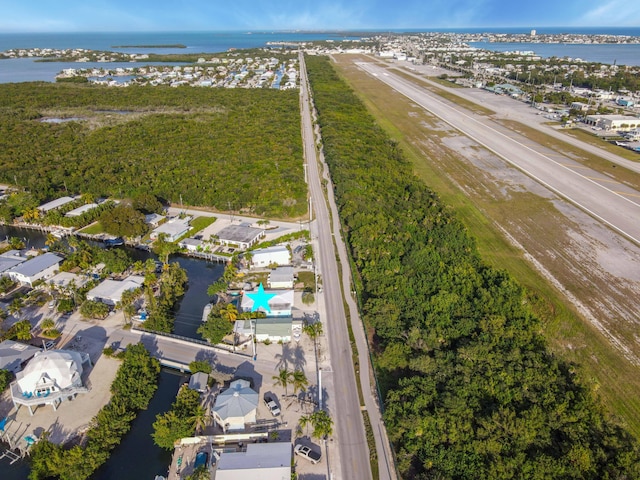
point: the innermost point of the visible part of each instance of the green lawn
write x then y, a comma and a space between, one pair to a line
93, 229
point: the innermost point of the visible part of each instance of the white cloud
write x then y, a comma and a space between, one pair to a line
618, 13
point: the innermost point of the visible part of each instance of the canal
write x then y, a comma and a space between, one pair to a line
137, 457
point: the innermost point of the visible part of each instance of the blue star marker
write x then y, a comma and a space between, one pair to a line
261, 299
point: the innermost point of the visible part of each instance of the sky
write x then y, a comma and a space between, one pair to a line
232, 15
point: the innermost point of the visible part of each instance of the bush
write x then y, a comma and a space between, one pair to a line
200, 366
6, 378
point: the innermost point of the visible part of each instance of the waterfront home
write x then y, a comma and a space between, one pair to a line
76, 212
14, 355
267, 461
276, 255
39, 267
110, 291
49, 378
192, 245
154, 219
241, 237
236, 406
274, 303
57, 203
173, 229
11, 259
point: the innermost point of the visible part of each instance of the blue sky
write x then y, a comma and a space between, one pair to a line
199, 15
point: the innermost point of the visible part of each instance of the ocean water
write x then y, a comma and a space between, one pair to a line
609, 53
195, 42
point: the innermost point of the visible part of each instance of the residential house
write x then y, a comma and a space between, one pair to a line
173, 229
281, 277
192, 245
266, 461
276, 255
13, 355
57, 203
11, 259
76, 212
49, 378
236, 406
39, 267
110, 291
275, 303
154, 219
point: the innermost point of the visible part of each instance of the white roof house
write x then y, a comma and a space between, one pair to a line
275, 303
110, 291
191, 244
14, 354
10, 259
241, 236
278, 255
236, 406
173, 229
154, 219
57, 203
274, 329
281, 277
76, 212
38, 267
266, 461
49, 378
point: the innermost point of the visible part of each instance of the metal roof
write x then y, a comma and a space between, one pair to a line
37, 264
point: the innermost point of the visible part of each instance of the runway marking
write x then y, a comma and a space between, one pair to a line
416, 90
604, 180
573, 165
629, 194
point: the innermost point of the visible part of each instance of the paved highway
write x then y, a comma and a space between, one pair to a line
345, 408
587, 189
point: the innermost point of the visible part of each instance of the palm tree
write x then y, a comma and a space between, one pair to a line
283, 378
200, 419
47, 324
230, 312
73, 242
51, 240
303, 423
299, 381
322, 424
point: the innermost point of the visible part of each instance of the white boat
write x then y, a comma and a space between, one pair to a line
205, 311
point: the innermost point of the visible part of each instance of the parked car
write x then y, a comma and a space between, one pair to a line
49, 345
306, 452
270, 402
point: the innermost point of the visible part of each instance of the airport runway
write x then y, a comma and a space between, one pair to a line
612, 203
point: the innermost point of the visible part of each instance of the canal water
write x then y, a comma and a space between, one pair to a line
137, 457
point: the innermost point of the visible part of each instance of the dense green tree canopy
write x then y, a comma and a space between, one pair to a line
124, 221
232, 149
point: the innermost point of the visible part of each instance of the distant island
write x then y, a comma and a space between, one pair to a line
170, 45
